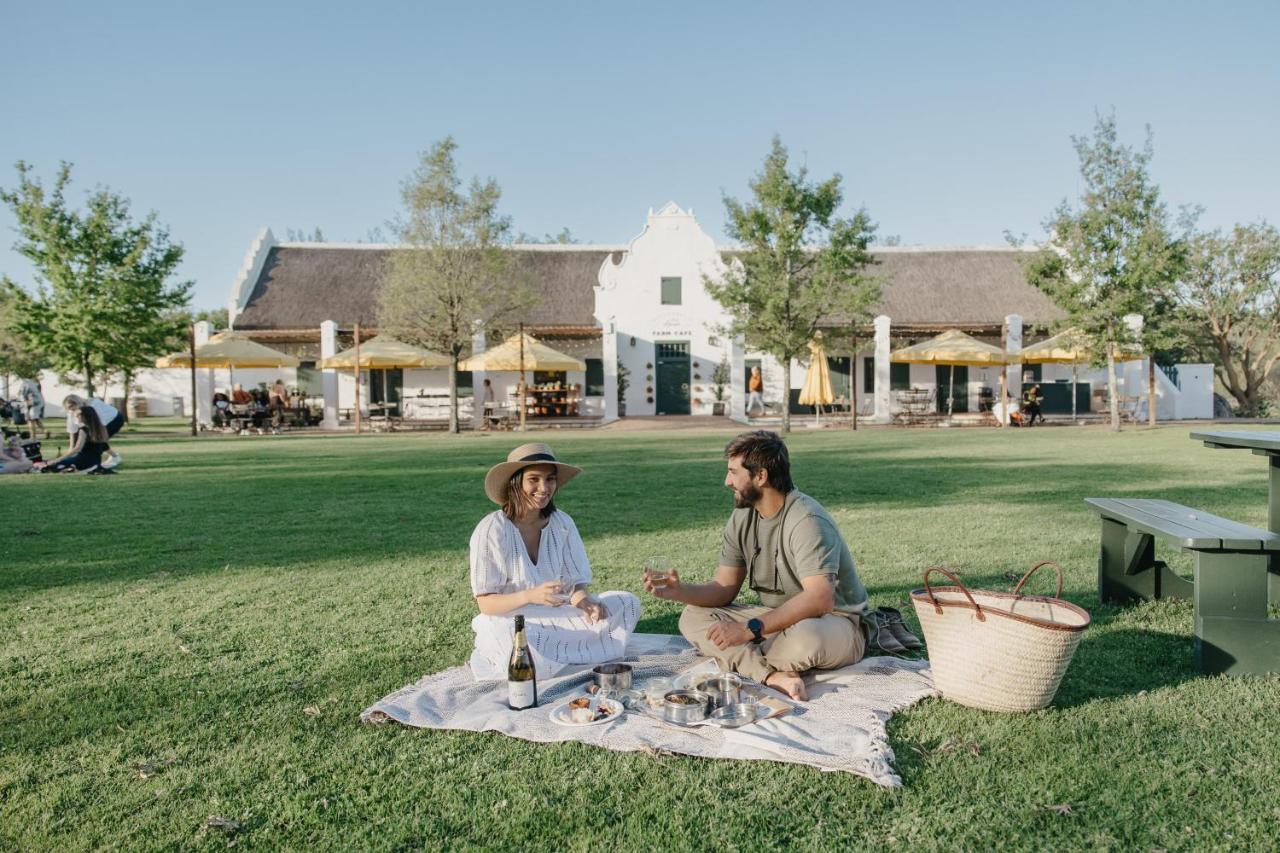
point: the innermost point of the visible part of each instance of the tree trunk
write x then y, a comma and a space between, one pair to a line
786, 395
853, 375
128, 384
453, 395
88, 378
1111, 386
1151, 392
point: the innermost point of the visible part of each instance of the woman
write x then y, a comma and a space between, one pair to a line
755, 391
528, 558
86, 450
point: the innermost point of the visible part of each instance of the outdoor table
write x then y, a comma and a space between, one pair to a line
915, 404
1262, 443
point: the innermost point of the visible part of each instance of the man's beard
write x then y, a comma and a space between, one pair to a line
747, 497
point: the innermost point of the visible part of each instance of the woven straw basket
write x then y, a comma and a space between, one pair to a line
998, 651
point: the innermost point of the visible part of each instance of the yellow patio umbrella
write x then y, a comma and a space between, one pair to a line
1068, 347
952, 347
383, 353
224, 350
521, 352
816, 390
230, 350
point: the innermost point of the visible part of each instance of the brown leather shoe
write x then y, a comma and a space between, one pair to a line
897, 626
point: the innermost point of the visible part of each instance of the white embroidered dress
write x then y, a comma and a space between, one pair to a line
558, 636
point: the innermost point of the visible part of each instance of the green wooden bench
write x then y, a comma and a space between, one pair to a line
1232, 632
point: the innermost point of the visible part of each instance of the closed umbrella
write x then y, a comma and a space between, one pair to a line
816, 390
952, 347
384, 353
1069, 347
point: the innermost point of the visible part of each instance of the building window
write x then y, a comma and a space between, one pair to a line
899, 376
671, 291
595, 377
868, 375
466, 385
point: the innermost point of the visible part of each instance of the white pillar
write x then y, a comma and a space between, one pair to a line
478, 346
204, 379
737, 394
329, 381
883, 413
1135, 372
1013, 341
609, 355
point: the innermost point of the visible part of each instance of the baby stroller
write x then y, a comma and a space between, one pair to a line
12, 412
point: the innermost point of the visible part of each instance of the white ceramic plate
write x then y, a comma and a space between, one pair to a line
560, 714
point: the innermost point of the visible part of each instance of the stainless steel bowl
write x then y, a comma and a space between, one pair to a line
615, 676
724, 689
735, 715
677, 707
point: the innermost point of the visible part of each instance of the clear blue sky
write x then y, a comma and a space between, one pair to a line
950, 121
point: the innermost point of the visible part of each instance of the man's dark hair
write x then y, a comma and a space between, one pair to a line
763, 449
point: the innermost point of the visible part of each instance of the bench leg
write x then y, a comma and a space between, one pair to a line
1128, 570
1233, 634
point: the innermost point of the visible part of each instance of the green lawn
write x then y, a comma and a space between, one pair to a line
196, 637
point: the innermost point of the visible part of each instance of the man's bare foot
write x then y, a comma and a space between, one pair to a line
789, 683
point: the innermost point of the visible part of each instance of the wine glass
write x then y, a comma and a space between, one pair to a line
659, 570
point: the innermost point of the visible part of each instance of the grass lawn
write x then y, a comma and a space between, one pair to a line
196, 637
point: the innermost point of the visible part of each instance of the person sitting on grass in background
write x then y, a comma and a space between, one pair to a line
789, 550
13, 460
111, 418
528, 558
87, 447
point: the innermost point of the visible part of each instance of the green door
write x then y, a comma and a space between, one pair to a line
673, 378
961, 388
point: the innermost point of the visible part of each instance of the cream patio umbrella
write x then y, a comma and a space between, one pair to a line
522, 352
1068, 347
225, 350
384, 353
816, 390
952, 347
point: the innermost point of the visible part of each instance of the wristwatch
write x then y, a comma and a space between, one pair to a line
756, 627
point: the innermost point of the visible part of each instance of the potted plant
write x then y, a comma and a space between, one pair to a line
623, 383
719, 382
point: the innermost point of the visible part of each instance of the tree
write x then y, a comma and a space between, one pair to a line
1114, 254
456, 276
564, 238
799, 264
17, 356
102, 305
1231, 291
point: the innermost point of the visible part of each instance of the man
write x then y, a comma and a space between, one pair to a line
786, 546
33, 401
1031, 401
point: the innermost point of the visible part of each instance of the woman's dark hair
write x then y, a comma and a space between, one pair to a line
763, 449
516, 502
93, 425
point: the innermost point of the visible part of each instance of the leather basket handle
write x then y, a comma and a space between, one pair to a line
982, 617
1017, 590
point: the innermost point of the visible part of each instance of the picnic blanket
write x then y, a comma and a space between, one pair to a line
840, 728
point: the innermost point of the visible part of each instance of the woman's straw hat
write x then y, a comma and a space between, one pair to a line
536, 453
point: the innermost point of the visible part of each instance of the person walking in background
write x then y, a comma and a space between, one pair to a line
277, 405
488, 406
755, 391
33, 402
1031, 401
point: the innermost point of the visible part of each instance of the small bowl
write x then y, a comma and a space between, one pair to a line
614, 676
724, 689
685, 706
735, 715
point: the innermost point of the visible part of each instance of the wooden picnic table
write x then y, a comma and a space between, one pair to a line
1262, 443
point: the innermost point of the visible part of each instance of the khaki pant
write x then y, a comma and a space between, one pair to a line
827, 642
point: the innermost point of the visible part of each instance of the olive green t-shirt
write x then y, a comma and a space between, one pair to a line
800, 541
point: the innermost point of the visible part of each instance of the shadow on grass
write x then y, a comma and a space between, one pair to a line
202, 506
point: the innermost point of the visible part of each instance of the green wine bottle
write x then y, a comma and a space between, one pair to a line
522, 681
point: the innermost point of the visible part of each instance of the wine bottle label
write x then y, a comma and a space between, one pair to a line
520, 694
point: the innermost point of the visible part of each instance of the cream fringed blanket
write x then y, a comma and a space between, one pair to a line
841, 727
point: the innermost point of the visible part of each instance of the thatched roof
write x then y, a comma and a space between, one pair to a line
959, 287
301, 286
